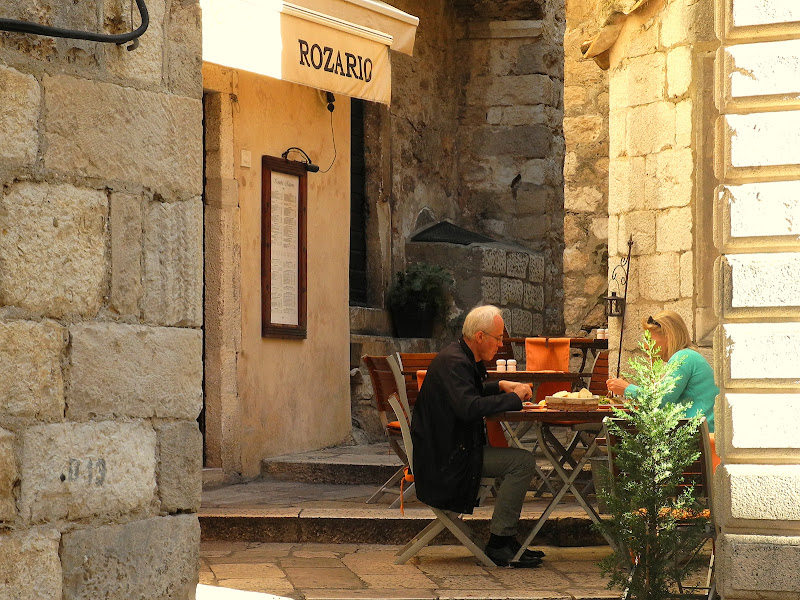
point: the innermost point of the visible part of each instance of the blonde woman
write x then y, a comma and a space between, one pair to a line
695, 377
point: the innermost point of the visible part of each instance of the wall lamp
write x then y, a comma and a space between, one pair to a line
310, 166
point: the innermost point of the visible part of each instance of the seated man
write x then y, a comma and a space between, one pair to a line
449, 435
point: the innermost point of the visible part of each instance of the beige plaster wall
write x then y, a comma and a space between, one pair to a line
294, 394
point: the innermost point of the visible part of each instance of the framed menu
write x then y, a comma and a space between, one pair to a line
283, 248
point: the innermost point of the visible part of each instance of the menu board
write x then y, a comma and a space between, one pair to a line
285, 214
283, 260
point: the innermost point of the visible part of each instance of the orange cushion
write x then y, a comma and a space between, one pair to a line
394, 425
421, 377
547, 354
494, 431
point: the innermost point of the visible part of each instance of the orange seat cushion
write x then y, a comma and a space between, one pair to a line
394, 425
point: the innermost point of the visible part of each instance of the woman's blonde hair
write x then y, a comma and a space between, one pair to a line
673, 327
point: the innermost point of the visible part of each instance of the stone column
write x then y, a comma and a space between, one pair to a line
757, 224
100, 306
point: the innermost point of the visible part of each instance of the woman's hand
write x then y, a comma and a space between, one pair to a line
617, 386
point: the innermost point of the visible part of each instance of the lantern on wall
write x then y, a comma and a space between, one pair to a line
615, 305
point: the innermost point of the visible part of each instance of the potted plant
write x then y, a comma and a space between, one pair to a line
648, 498
417, 297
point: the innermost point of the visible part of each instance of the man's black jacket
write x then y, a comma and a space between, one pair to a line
447, 428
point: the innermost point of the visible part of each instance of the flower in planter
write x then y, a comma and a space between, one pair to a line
418, 296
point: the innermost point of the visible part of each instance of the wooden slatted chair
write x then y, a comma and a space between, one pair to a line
410, 363
699, 475
597, 384
444, 519
505, 351
384, 384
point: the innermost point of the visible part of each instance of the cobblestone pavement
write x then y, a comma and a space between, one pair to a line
360, 571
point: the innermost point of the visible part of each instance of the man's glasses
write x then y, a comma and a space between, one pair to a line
499, 338
652, 321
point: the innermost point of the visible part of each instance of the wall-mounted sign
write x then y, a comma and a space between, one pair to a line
308, 45
283, 248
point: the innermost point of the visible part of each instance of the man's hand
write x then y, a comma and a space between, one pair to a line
523, 390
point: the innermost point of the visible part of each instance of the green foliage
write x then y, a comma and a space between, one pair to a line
422, 284
647, 498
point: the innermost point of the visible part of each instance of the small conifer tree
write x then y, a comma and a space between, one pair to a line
647, 497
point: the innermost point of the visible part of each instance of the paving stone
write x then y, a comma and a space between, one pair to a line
314, 578
265, 585
469, 582
244, 570
369, 594
396, 581
300, 562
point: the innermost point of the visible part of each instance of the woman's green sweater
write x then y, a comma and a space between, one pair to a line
695, 384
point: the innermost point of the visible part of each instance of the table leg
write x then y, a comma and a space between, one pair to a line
569, 484
515, 434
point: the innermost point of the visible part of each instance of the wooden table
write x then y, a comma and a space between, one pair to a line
542, 419
536, 377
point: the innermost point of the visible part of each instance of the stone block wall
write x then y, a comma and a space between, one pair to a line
100, 305
511, 141
510, 277
474, 136
758, 204
585, 176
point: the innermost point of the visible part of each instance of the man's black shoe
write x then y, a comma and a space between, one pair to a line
528, 554
503, 557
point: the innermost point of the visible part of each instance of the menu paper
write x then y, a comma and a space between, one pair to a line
285, 223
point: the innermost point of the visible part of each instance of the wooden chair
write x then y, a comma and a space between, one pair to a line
699, 475
597, 383
410, 363
384, 384
444, 519
506, 351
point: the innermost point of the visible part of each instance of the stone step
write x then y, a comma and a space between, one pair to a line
321, 497
342, 465
366, 526
270, 510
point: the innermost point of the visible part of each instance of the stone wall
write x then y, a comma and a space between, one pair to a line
508, 276
100, 305
474, 136
510, 138
661, 171
585, 176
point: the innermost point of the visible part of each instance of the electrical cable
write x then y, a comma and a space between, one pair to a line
333, 137
36, 29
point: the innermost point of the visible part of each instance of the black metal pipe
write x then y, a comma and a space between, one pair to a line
121, 38
622, 323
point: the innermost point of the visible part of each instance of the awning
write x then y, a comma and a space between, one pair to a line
341, 46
